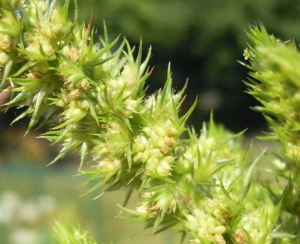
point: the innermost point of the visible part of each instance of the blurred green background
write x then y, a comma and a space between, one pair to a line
32, 198
203, 39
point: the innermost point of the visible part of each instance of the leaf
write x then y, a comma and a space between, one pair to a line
24, 67
247, 177
283, 235
40, 99
188, 113
66, 149
83, 153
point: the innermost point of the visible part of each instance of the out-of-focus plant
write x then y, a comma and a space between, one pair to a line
65, 234
94, 102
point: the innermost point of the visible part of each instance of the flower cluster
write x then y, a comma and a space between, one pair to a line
94, 102
274, 64
274, 82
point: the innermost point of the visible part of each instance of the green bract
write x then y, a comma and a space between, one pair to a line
91, 96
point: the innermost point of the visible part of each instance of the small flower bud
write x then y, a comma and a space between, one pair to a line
6, 42
74, 112
146, 155
138, 157
140, 144
158, 142
163, 169
151, 166
165, 149
83, 104
4, 58
108, 164
219, 238
220, 229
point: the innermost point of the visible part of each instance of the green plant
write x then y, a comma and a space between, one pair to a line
66, 234
94, 102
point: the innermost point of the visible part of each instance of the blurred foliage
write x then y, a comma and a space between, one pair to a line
203, 40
